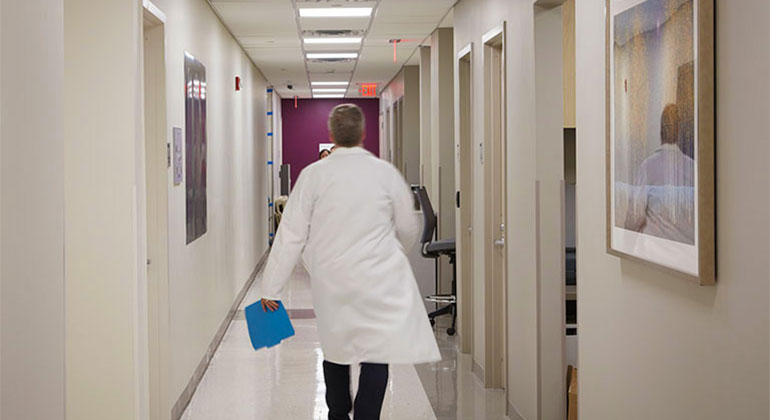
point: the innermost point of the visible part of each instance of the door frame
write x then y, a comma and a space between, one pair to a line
464, 187
495, 194
157, 159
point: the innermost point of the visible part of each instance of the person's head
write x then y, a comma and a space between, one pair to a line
669, 125
324, 154
346, 125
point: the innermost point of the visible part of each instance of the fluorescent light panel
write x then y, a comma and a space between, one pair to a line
332, 55
329, 83
343, 90
333, 40
336, 12
328, 96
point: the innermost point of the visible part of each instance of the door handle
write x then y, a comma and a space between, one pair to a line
500, 243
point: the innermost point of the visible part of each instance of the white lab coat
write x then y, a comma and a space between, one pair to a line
662, 201
351, 220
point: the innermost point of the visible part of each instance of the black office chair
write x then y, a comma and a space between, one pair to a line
432, 248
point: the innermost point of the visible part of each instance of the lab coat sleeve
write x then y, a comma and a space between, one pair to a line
405, 218
636, 212
289, 241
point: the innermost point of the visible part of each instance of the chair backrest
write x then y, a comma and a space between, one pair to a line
428, 216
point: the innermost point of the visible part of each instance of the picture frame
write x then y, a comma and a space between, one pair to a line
196, 139
660, 135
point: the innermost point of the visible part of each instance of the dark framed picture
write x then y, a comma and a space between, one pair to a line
195, 147
660, 134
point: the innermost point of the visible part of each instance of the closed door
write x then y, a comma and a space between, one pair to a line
495, 191
464, 184
156, 178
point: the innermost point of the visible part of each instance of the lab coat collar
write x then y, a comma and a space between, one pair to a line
344, 151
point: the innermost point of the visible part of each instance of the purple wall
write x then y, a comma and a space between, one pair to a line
305, 128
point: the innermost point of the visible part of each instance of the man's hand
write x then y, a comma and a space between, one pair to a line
269, 305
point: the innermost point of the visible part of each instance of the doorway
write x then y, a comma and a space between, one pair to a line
495, 284
157, 159
464, 185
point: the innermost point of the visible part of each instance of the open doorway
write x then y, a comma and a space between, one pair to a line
157, 159
464, 185
495, 287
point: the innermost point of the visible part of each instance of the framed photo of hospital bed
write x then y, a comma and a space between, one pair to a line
660, 134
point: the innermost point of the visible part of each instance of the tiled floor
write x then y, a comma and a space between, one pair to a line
455, 393
286, 382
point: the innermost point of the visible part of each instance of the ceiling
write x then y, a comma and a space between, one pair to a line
271, 32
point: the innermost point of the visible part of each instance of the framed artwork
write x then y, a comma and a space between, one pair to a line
195, 147
660, 134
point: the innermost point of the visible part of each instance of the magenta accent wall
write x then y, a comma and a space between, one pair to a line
304, 128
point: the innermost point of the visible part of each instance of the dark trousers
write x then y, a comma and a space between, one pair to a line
371, 391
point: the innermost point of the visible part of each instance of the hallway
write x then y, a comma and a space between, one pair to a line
286, 381
578, 191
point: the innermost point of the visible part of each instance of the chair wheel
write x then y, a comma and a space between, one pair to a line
450, 331
432, 322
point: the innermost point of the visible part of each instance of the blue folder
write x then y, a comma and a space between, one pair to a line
267, 329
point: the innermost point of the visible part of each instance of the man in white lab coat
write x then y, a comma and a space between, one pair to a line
351, 220
662, 201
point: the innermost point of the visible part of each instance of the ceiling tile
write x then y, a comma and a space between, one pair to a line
267, 30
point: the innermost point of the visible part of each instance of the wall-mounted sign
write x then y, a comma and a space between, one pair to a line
177, 157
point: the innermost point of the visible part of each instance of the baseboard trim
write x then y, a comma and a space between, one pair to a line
478, 371
512, 413
184, 400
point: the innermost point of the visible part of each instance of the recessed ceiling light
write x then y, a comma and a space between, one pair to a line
333, 40
343, 90
329, 83
336, 12
328, 96
332, 55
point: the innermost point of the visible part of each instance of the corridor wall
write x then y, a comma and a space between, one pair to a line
206, 275
105, 278
106, 314
405, 86
472, 20
653, 345
32, 210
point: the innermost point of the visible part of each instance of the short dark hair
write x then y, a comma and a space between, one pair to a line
346, 125
669, 125
321, 153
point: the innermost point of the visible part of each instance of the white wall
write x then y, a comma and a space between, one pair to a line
657, 346
550, 175
442, 166
426, 176
411, 125
104, 187
32, 211
473, 19
206, 275
104, 191
405, 86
